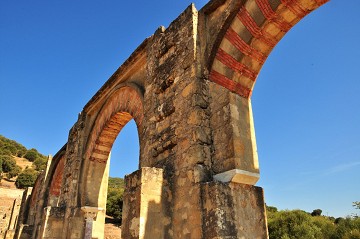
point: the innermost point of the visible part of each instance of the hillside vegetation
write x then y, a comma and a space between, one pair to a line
19, 164
298, 224
115, 198
24, 165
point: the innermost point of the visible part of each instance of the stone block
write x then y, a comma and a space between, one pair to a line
143, 212
233, 210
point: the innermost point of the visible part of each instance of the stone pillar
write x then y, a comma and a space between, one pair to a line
233, 210
143, 213
235, 155
90, 215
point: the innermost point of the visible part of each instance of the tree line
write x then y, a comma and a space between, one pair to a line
282, 224
9, 149
298, 224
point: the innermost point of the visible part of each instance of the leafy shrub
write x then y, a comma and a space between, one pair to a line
21, 152
26, 178
40, 163
8, 166
14, 172
316, 212
292, 224
11, 147
354, 234
31, 155
8, 163
299, 224
115, 197
114, 203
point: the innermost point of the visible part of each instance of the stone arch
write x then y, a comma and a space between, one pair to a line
34, 199
246, 33
248, 37
122, 105
206, 128
56, 182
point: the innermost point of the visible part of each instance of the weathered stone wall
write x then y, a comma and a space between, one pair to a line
144, 186
233, 210
10, 201
188, 88
177, 125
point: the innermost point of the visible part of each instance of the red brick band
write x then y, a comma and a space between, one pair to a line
233, 64
250, 24
105, 144
272, 16
321, 2
243, 47
119, 109
93, 159
229, 84
55, 186
101, 152
296, 8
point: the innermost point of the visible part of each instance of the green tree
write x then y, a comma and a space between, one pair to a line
40, 163
11, 147
114, 203
295, 224
353, 234
316, 212
115, 197
26, 178
326, 226
21, 151
1, 160
1, 169
8, 163
8, 166
14, 172
31, 155
346, 228
271, 209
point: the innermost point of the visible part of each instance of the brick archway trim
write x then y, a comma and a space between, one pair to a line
255, 30
122, 106
55, 185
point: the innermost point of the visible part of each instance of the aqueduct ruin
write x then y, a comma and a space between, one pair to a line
188, 88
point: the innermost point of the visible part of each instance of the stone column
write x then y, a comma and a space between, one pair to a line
233, 210
90, 216
143, 213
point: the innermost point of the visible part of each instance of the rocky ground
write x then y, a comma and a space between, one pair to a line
112, 228
112, 231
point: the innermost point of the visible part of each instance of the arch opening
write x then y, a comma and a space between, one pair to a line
247, 41
124, 105
123, 161
311, 158
125, 151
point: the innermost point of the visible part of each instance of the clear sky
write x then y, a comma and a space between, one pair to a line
54, 55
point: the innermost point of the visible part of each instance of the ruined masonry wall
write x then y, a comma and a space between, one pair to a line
10, 201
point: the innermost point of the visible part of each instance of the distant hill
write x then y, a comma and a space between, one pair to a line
19, 166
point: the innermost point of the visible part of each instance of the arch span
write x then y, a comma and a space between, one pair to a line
121, 106
195, 128
248, 37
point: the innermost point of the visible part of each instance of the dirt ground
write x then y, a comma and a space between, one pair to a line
23, 163
112, 231
10, 183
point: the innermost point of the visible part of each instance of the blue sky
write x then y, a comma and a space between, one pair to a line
54, 55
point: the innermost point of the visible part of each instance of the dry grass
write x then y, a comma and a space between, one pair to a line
10, 183
112, 231
23, 162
